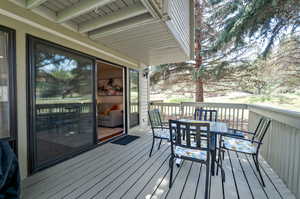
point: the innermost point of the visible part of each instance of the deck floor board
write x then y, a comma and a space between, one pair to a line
115, 171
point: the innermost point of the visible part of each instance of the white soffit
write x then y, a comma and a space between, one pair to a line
131, 27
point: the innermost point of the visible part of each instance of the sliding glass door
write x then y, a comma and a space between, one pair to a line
134, 112
62, 113
8, 121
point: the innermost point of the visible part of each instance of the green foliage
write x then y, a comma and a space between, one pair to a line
245, 20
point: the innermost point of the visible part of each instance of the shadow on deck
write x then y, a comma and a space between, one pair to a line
115, 171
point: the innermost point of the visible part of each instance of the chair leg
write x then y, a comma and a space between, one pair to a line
223, 190
153, 142
171, 162
207, 183
255, 159
159, 144
219, 155
219, 159
223, 154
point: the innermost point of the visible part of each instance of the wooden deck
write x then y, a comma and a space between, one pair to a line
116, 171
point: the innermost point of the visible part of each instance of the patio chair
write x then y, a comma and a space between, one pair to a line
192, 148
206, 114
246, 146
159, 129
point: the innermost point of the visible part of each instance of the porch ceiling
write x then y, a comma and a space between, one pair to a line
132, 27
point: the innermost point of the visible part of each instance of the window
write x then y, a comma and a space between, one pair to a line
134, 112
61, 95
7, 85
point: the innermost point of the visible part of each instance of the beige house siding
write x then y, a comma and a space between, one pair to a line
144, 97
180, 22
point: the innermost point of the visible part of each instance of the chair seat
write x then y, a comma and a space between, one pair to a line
162, 133
239, 145
191, 153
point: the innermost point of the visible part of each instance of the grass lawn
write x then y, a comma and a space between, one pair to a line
283, 101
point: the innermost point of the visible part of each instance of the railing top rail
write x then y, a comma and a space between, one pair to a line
291, 118
213, 104
277, 110
164, 104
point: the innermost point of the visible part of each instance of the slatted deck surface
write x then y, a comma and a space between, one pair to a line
116, 171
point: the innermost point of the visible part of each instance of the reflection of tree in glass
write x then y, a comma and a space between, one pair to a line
60, 74
134, 81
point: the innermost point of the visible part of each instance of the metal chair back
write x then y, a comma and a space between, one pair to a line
155, 118
261, 131
206, 114
193, 136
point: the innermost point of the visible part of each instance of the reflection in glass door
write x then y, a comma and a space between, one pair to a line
8, 121
61, 95
134, 113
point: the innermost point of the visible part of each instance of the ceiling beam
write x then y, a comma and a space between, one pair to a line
79, 9
120, 15
122, 26
34, 3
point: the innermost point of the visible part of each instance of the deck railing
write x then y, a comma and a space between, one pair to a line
281, 147
236, 115
62, 108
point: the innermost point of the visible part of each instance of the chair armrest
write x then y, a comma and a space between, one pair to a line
247, 132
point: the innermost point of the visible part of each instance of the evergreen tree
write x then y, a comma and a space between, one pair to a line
247, 21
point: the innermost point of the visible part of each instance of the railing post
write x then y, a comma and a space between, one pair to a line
181, 109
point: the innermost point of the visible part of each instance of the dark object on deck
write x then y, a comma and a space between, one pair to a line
126, 140
206, 114
9, 173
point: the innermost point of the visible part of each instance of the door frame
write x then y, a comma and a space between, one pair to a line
125, 93
30, 77
30, 74
12, 91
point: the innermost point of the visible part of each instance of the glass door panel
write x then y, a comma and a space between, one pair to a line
134, 112
8, 123
62, 98
4, 84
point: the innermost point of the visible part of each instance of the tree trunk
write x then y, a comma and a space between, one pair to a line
198, 37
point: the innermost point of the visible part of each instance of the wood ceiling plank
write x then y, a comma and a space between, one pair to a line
80, 8
118, 16
34, 3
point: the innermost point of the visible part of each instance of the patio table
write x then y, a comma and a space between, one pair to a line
216, 128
